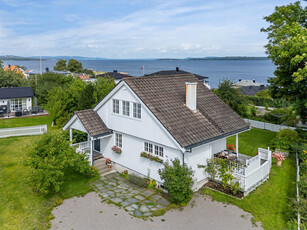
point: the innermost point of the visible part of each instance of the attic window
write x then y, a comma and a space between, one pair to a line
137, 110
126, 108
115, 106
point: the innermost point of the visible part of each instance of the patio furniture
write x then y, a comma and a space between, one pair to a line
18, 113
25, 112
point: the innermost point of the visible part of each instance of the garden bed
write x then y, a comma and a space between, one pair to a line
217, 186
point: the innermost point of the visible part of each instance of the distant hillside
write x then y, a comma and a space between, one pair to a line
228, 58
18, 58
80, 58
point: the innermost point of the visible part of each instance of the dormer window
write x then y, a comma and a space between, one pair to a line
126, 108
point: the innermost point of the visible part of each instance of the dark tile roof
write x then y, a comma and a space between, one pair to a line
16, 92
165, 97
115, 75
176, 72
92, 122
252, 90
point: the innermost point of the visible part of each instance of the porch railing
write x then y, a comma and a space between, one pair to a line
82, 146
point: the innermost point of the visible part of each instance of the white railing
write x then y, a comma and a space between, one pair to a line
82, 146
23, 131
252, 164
257, 176
267, 126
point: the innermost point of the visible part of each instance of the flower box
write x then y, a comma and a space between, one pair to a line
116, 149
151, 157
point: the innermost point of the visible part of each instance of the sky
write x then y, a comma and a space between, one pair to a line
124, 29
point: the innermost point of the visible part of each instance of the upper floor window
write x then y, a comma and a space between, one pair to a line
136, 110
126, 108
119, 140
147, 147
115, 106
159, 150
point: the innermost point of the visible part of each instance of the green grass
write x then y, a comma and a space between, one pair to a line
250, 141
20, 208
25, 121
269, 203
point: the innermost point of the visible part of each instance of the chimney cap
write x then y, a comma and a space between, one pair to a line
191, 83
177, 68
115, 71
254, 80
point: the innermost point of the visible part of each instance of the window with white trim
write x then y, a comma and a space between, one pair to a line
159, 151
148, 147
115, 106
126, 108
137, 110
119, 140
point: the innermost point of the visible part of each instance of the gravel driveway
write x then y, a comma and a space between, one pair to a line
88, 212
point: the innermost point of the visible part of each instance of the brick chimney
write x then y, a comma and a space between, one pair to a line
191, 95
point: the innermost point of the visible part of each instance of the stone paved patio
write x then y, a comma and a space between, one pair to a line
140, 202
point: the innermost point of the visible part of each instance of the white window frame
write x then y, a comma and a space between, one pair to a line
156, 149
115, 106
148, 147
137, 110
126, 108
118, 140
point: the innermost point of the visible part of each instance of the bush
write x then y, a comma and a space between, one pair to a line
178, 181
137, 180
48, 160
285, 139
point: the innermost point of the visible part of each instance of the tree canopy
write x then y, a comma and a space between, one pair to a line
287, 35
74, 66
60, 65
11, 79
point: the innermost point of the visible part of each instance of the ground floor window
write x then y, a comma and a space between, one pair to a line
119, 140
148, 147
18, 104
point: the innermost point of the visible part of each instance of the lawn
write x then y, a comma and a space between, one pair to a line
269, 203
250, 141
25, 121
20, 208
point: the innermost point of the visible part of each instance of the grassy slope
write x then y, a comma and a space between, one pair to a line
20, 208
250, 141
269, 203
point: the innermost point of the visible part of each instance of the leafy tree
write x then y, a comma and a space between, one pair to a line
88, 96
287, 48
60, 65
88, 72
232, 97
74, 66
1, 64
102, 87
178, 181
11, 79
49, 159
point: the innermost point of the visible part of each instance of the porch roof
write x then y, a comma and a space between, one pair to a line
92, 122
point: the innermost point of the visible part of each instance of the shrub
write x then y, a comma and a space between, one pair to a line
285, 139
124, 174
48, 160
137, 180
152, 184
178, 181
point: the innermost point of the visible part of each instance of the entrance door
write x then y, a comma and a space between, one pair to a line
97, 145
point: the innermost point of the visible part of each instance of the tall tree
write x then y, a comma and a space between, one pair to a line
287, 35
1, 62
74, 66
11, 79
60, 65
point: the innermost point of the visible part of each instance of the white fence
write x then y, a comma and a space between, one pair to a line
23, 131
255, 173
267, 126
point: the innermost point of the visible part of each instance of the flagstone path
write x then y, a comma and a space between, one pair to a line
137, 201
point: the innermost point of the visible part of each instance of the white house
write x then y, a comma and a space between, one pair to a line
169, 116
16, 99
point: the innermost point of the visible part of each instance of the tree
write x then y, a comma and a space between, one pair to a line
49, 158
74, 66
102, 87
11, 79
287, 48
178, 181
1, 64
231, 96
60, 65
88, 97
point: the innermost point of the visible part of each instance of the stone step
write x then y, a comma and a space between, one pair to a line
99, 163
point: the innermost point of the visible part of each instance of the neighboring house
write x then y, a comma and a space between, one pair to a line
169, 116
252, 90
202, 79
16, 69
249, 87
115, 74
16, 99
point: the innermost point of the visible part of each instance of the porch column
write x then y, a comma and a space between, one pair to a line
70, 135
90, 140
237, 145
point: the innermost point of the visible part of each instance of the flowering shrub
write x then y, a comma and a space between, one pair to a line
108, 161
231, 147
116, 149
152, 184
151, 157
279, 156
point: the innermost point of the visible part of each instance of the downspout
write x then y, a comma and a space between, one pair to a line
182, 157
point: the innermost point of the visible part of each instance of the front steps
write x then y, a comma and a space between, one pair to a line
103, 169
